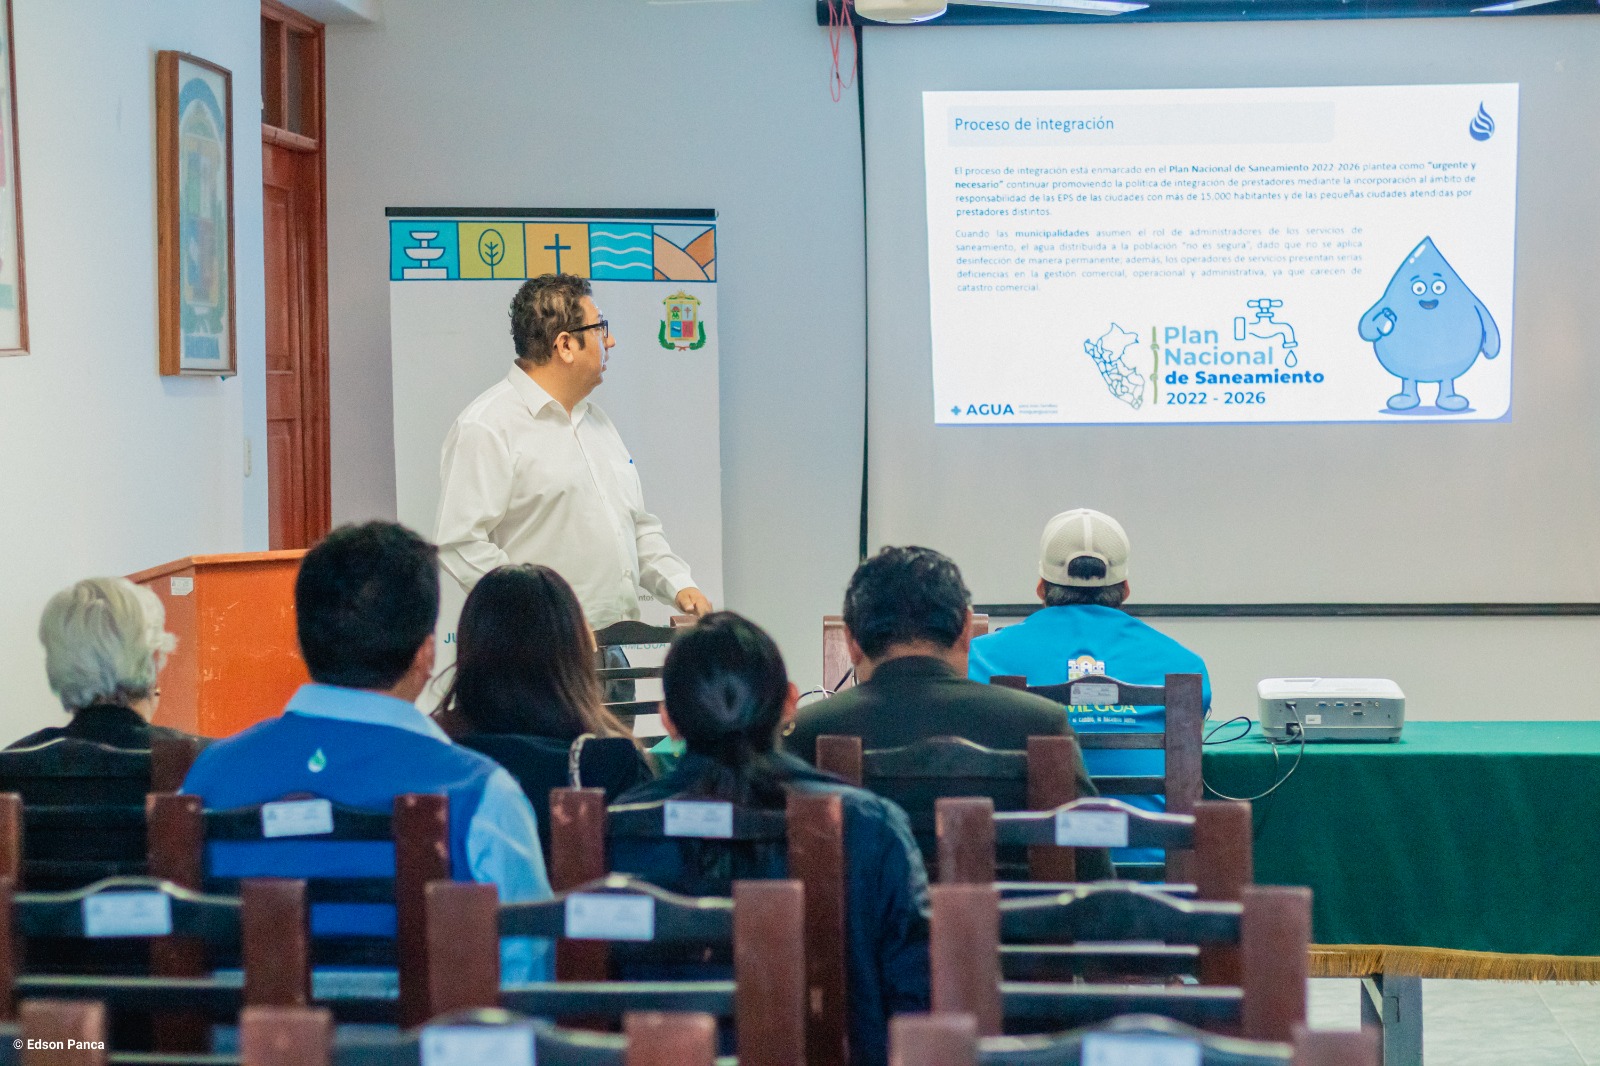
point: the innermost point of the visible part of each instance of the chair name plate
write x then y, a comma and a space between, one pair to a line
1091, 829
297, 818
596, 916
698, 818
473, 1045
1093, 694
109, 914
1128, 1049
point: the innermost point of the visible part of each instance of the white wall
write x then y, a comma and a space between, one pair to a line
108, 467
616, 103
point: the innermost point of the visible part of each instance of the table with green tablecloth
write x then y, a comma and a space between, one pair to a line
1460, 837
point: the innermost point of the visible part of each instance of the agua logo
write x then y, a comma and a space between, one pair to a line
989, 409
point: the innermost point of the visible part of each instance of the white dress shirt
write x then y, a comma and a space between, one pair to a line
522, 481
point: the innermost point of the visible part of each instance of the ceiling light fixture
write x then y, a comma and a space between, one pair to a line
900, 11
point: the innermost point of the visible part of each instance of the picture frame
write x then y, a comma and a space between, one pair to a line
13, 283
197, 312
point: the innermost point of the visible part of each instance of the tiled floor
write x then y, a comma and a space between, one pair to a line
1486, 1023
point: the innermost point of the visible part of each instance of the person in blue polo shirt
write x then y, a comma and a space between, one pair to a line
1082, 630
366, 600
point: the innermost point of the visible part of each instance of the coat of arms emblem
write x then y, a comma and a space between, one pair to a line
681, 328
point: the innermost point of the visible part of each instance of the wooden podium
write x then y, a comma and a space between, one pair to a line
238, 659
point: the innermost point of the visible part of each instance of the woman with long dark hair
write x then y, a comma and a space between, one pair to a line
727, 697
525, 693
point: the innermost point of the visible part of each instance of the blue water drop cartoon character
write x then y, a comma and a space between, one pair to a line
1429, 327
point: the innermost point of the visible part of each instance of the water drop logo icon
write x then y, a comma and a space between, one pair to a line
1482, 126
318, 762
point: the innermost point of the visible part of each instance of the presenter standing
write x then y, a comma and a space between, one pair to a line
533, 472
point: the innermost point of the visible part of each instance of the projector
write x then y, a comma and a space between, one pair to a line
1331, 708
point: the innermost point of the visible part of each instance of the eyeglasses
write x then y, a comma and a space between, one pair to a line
603, 326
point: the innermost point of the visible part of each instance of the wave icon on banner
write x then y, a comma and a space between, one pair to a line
621, 253
1482, 125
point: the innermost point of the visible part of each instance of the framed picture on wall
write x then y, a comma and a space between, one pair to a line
194, 215
13, 293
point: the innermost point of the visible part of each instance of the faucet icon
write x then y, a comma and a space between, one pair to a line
1265, 327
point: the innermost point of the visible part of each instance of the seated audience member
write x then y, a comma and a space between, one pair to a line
104, 646
727, 695
525, 693
907, 620
366, 600
1082, 629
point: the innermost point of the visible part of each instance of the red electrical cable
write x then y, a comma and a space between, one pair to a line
840, 25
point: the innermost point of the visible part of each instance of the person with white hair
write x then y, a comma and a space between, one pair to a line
105, 642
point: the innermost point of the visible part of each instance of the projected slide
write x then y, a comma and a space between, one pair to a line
1227, 255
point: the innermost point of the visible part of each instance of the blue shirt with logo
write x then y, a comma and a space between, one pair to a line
1055, 645
362, 749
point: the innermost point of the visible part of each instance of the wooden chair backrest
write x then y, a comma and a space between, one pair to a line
837, 671
761, 924
418, 827
1271, 928
301, 1036
1181, 740
266, 928
952, 1040
631, 633
812, 827
954, 766
1217, 833
61, 842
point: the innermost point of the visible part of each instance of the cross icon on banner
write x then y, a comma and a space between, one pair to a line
557, 247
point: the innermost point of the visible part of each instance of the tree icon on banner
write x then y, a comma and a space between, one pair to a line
491, 248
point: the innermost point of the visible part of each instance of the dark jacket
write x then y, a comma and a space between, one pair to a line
120, 727
80, 743
886, 932
918, 697
540, 764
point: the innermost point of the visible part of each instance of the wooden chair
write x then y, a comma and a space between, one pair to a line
61, 842
182, 836
837, 671
952, 1040
286, 1036
760, 925
1271, 928
629, 634
1217, 833
918, 775
266, 927
1181, 741
812, 832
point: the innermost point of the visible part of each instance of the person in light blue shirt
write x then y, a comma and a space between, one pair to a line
1082, 630
366, 602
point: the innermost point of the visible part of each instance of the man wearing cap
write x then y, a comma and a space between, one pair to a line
1082, 629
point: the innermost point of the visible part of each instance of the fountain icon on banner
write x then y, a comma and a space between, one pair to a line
424, 255
1265, 327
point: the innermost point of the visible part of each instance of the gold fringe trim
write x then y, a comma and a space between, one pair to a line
1364, 960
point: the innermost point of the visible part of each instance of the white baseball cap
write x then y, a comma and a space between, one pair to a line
1078, 534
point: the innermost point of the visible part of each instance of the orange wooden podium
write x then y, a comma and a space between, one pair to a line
237, 660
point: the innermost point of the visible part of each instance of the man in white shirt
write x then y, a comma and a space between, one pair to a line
532, 472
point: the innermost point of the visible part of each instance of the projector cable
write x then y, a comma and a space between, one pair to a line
1294, 729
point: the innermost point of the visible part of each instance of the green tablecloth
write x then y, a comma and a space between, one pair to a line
1481, 836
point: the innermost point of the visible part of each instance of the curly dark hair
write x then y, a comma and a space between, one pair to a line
544, 308
906, 594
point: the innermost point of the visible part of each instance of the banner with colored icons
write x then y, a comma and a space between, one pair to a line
452, 274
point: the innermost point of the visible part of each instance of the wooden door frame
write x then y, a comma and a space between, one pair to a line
315, 401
